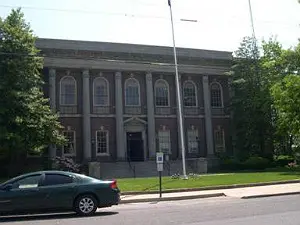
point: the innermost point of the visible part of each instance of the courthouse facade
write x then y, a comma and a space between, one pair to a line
117, 102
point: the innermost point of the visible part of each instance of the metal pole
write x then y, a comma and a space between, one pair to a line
178, 98
160, 192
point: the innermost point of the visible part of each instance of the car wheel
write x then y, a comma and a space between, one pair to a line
86, 205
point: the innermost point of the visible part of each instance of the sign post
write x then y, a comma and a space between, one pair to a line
160, 168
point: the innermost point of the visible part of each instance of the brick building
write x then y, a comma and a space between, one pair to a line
117, 102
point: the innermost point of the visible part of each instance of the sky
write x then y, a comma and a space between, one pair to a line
216, 24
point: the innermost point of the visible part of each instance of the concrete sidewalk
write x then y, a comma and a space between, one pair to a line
245, 193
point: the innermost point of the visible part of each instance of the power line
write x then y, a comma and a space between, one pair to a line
233, 19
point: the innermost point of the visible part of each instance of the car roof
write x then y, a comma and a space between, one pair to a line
41, 172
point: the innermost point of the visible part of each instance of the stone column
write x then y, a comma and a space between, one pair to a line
119, 116
208, 120
150, 115
52, 97
86, 117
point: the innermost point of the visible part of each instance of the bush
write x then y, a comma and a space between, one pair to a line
283, 160
67, 164
230, 164
256, 163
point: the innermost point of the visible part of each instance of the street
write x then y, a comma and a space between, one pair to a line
212, 211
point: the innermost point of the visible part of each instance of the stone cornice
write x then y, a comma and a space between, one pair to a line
116, 65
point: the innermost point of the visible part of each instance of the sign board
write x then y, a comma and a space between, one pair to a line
160, 167
159, 157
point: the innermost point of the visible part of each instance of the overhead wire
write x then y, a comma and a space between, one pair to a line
194, 20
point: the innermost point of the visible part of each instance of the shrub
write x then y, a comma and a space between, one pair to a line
283, 160
230, 164
67, 164
256, 163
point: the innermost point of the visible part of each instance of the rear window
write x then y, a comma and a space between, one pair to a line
56, 179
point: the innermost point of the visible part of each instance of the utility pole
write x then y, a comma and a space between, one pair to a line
179, 103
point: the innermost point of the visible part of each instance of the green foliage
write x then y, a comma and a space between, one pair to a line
26, 120
251, 103
256, 163
283, 160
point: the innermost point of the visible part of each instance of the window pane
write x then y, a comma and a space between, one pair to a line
69, 148
132, 95
189, 92
216, 95
28, 182
55, 179
102, 142
68, 91
161, 94
219, 140
100, 92
193, 146
164, 141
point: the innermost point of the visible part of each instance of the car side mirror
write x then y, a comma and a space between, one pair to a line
7, 187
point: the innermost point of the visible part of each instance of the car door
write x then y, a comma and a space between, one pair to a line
59, 190
23, 195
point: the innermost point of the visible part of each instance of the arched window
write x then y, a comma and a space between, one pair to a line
189, 94
161, 93
101, 92
216, 97
132, 92
68, 92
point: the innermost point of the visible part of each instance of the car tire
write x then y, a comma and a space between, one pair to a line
85, 205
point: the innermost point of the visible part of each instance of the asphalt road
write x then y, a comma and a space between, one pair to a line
214, 211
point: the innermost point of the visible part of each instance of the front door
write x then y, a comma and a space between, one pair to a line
135, 146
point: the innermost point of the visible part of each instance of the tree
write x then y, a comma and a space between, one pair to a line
285, 93
26, 120
252, 102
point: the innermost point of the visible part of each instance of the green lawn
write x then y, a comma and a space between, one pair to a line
148, 184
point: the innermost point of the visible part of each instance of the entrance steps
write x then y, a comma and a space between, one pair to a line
149, 168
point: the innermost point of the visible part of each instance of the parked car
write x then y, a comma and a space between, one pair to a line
58, 191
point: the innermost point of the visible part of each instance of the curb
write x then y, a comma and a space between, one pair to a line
212, 187
172, 198
270, 195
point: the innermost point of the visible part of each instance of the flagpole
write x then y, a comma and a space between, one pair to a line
179, 103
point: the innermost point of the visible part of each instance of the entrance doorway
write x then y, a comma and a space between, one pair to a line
135, 146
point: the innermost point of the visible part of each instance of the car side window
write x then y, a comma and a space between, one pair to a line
27, 182
56, 179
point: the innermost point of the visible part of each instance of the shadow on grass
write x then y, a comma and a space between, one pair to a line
44, 217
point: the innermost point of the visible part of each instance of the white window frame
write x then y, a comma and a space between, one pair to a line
223, 145
74, 138
221, 93
60, 94
195, 142
155, 92
162, 142
107, 89
107, 143
139, 92
196, 91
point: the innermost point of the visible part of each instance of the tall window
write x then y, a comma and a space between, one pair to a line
68, 93
101, 90
189, 94
193, 146
161, 93
219, 140
70, 148
164, 141
216, 95
101, 142
132, 92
